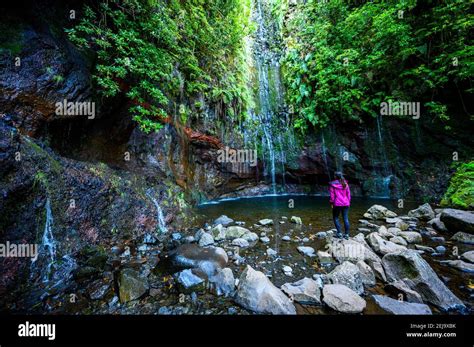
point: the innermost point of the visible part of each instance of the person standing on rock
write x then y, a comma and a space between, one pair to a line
340, 201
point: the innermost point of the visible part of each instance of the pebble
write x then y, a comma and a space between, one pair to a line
286, 238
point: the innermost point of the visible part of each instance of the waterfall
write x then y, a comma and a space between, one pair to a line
325, 158
48, 243
159, 214
269, 114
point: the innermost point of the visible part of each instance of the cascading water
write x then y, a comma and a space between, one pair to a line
159, 214
384, 182
48, 243
269, 116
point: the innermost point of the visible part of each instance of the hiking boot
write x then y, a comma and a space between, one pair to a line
338, 236
346, 236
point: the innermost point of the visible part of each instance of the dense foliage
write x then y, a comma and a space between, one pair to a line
164, 53
346, 57
460, 193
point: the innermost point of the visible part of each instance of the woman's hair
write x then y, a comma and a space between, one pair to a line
341, 178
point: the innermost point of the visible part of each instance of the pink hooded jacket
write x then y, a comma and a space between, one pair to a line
339, 196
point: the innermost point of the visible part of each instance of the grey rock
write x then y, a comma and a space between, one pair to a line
256, 293
366, 273
423, 212
424, 248
400, 287
460, 265
437, 224
379, 212
306, 291
342, 299
218, 232
206, 240
224, 282
271, 252
234, 232
458, 220
240, 243
286, 238
382, 246
224, 220
398, 240
308, 251
468, 256
209, 260
349, 275
410, 267
401, 307
250, 237
296, 220
440, 249
265, 239
265, 222
463, 237
188, 280
411, 236
325, 257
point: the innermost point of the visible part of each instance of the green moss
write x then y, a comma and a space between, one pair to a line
460, 193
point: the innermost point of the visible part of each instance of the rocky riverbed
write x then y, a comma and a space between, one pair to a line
417, 263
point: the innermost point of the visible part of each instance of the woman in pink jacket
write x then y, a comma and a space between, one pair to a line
340, 201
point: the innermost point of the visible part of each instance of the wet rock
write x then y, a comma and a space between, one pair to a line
287, 270
188, 281
401, 307
423, 212
402, 225
382, 246
440, 249
366, 274
131, 285
256, 293
98, 289
308, 251
265, 239
234, 232
379, 212
463, 237
224, 220
458, 220
265, 222
349, 275
393, 231
271, 252
424, 248
286, 238
342, 299
401, 288
398, 240
438, 239
240, 243
250, 237
224, 282
468, 256
325, 257
206, 240
218, 232
209, 259
176, 236
305, 291
410, 267
437, 224
459, 264
392, 220
411, 236
296, 220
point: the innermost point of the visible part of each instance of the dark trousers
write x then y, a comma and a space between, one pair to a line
336, 210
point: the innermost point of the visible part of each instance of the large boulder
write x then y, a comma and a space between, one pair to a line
463, 237
224, 282
458, 220
468, 256
366, 274
349, 275
423, 212
382, 246
379, 212
412, 269
437, 224
131, 285
218, 232
342, 299
306, 291
206, 240
401, 307
209, 260
234, 232
400, 288
256, 293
